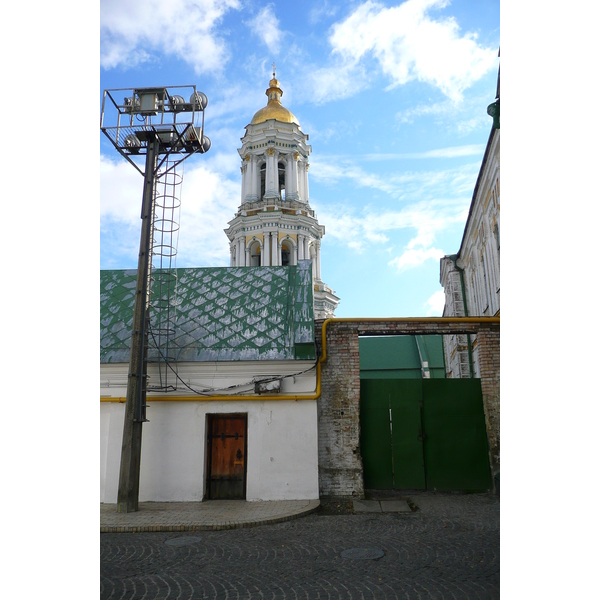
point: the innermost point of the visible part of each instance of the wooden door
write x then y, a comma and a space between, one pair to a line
227, 446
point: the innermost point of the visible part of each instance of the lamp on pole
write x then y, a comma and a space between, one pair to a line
156, 122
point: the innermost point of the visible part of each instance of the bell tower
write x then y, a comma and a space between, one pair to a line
274, 224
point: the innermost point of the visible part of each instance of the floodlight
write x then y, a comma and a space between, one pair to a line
156, 113
199, 100
177, 102
132, 141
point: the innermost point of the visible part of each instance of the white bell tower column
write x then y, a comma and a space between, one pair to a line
254, 178
274, 252
318, 259
272, 137
272, 175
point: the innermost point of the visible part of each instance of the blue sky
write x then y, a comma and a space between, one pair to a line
392, 94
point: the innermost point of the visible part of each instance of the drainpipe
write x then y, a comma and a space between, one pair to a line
461, 274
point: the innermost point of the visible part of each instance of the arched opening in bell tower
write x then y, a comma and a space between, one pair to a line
281, 173
263, 177
255, 254
286, 254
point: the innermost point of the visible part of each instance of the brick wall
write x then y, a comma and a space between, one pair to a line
340, 463
488, 340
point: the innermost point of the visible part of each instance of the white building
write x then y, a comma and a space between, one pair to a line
240, 380
275, 225
243, 355
471, 277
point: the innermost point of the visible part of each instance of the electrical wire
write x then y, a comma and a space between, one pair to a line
237, 385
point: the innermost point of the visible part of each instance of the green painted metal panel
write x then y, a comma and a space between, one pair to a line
375, 440
388, 352
437, 439
437, 373
435, 350
391, 374
398, 356
407, 445
456, 451
433, 347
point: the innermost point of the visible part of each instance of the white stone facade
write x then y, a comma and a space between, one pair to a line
282, 454
471, 278
274, 224
282, 459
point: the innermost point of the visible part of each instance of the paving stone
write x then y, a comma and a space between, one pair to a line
394, 506
199, 516
366, 506
447, 550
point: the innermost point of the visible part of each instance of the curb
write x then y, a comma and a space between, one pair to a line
199, 527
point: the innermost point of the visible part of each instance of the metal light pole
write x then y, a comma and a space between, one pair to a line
160, 124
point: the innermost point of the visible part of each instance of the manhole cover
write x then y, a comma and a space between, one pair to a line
183, 541
363, 553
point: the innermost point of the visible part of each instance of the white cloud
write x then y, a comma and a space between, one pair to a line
450, 115
415, 257
130, 32
426, 219
436, 303
327, 170
237, 102
402, 186
266, 26
465, 126
409, 45
334, 83
209, 201
322, 11
425, 110
451, 152
121, 188
208, 198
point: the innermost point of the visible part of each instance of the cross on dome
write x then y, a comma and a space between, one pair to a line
274, 109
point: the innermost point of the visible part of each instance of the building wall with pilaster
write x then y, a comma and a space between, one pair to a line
471, 278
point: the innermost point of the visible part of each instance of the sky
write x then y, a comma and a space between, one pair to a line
393, 96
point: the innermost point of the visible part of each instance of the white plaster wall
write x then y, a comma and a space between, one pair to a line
219, 376
111, 439
282, 459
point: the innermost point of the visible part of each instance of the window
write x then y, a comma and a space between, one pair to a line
286, 255
281, 173
485, 282
497, 236
263, 174
255, 255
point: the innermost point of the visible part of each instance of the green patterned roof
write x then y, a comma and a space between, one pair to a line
221, 314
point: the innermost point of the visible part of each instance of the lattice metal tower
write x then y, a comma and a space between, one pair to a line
158, 123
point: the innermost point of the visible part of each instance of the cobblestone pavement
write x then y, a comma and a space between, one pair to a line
448, 548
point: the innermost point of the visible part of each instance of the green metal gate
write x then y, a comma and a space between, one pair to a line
423, 434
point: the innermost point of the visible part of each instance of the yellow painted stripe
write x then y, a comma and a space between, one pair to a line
317, 392
197, 398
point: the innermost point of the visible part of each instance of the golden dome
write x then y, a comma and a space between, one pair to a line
274, 109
